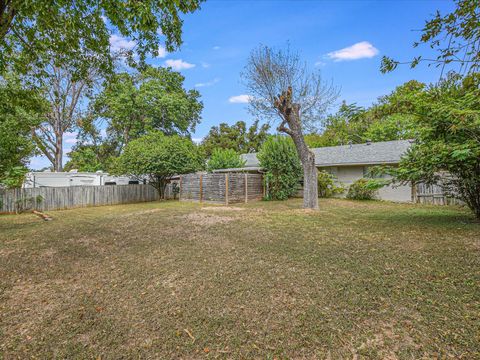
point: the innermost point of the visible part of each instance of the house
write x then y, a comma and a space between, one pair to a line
349, 163
73, 178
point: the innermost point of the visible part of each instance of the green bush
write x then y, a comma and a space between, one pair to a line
283, 170
365, 189
224, 159
327, 186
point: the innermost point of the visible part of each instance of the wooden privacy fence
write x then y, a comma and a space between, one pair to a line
54, 198
221, 187
434, 194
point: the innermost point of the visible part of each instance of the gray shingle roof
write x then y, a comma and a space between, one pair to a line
250, 160
385, 152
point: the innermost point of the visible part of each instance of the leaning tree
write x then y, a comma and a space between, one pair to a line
282, 88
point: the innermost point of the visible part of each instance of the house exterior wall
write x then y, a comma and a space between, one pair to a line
347, 175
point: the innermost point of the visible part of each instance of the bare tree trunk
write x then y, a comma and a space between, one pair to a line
58, 166
310, 186
310, 173
291, 116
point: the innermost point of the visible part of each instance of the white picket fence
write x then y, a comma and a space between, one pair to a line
55, 198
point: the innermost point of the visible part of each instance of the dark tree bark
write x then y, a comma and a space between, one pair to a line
291, 116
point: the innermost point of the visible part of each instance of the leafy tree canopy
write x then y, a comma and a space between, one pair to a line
224, 159
448, 139
21, 109
236, 137
158, 157
88, 158
390, 118
153, 99
77, 33
283, 169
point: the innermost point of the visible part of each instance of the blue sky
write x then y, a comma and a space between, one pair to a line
344, 39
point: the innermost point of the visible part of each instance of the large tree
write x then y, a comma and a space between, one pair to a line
67, 95
158, 157
20, 110
34, 34
447, 150
236, 137
282, 88
154, 99
390, 118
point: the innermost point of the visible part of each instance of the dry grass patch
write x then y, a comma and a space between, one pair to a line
259, 280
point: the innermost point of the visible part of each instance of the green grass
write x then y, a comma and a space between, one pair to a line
262, 280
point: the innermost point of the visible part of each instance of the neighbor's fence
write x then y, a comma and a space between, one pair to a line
434, 194
54, 198
221, 187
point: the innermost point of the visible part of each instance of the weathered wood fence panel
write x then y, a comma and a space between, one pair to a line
221, 187
54, 198
434, 194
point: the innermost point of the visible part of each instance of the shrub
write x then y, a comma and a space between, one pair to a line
365, 189
158, 157
283, 170
224, 159
327, 186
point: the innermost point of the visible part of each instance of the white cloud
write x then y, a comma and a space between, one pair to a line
178, 64
320, 63
359, 50
205, 65
162, 52
70, 133
118, 42
208, 83
239, 99
197, 140
216, 47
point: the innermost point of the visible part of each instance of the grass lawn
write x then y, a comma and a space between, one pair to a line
262, 280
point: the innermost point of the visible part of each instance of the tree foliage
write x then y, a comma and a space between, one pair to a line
66, 95
447, 151
390, 118
76, 33
283, 169
236, 137
158, 157
224, 159
21, 109
454, 36
154, 99
86, 158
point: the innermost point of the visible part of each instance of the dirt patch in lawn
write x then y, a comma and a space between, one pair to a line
203, 219
223, 208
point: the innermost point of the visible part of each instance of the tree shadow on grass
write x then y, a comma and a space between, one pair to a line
429, 216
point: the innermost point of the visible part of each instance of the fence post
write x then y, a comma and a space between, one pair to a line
201, 188
226, 188
246, 188
414, 193
180, 188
